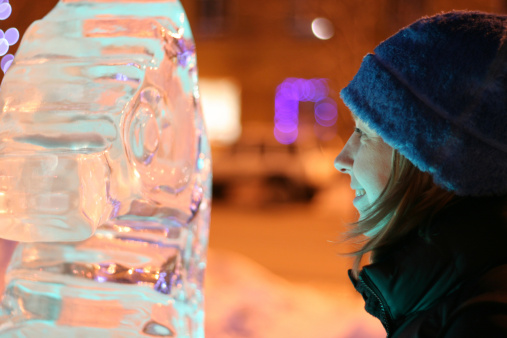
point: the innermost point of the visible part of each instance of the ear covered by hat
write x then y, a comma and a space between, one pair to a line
437, 92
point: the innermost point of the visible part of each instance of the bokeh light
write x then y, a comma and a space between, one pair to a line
8, 38
6, 62
221, 106
12, 36
288, 95
326, 112
4, 46
322, 28
5, 10
286, 137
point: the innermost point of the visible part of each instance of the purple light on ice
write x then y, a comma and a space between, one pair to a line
6, 62
8, 38
121, 77
5, 10
4, 46
12, 36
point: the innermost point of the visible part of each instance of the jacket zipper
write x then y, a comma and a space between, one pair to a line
384, 318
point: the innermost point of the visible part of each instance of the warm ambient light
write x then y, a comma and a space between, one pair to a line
322, 28
221, 106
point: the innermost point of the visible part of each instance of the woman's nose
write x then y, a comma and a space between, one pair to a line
343, 162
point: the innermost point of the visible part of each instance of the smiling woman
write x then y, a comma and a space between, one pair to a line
367, 159
428, 162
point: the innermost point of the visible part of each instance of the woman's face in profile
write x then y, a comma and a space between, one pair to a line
367, 159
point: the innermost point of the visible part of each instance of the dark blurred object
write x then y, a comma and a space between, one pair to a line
258, 171
213, 17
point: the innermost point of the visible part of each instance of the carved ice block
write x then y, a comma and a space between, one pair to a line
105, 174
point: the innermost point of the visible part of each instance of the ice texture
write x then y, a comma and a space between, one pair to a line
105, 174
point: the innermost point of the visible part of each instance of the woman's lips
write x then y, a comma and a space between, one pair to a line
360, 193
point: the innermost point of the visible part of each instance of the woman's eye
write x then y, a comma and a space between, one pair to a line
358, 131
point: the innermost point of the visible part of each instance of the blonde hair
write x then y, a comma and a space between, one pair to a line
408, 202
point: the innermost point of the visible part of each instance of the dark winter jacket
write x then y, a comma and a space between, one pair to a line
454, 285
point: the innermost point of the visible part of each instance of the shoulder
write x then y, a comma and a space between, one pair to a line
475, 310
484, 312
485, 319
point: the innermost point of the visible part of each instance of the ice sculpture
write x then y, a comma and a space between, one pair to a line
104, 174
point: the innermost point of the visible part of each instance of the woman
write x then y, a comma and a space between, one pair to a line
428, 162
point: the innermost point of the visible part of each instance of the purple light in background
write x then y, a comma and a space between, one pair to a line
326, 112
321, 89
286, 137
286, 126
4, 46
6, 62
288, 95
305, 89
5, 10
10, 37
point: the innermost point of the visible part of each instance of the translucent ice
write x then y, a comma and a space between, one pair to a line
104, 174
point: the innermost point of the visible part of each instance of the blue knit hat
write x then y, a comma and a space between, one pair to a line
437, 92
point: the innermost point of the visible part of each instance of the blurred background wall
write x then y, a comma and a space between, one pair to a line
282, 204
271, 72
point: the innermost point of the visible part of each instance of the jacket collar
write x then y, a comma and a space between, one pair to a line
418, 273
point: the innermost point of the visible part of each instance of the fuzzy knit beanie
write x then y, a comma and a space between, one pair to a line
437, 92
